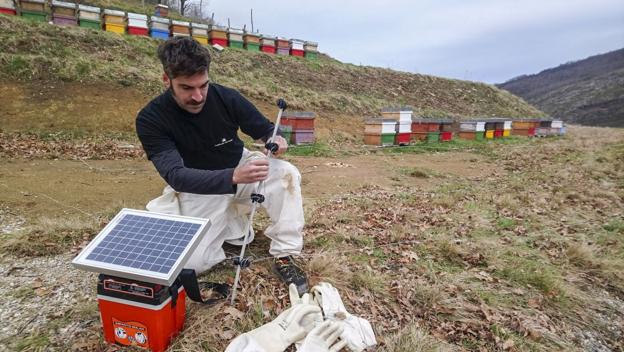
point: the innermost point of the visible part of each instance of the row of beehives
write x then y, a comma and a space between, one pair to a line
398, 127
298, 127
72, 14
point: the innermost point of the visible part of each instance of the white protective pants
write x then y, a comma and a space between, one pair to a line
229, 213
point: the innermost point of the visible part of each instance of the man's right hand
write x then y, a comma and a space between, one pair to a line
255, 170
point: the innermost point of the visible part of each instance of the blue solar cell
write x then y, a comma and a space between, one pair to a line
143, 242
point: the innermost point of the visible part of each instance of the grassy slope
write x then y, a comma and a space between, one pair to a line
32, 51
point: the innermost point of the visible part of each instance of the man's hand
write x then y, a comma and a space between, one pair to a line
254, 170
282, 143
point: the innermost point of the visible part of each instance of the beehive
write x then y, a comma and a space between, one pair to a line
380, 132
159, 27
282, 46
64, 13
114, 21
217, 35
296, 47
311, 50
267, 44
180, 28
251, 41
7, 7
34, 10
235, 38
199, 32
161, 10
402, 114
89, 17
137, 24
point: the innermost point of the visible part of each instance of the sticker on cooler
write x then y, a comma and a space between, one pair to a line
130, 333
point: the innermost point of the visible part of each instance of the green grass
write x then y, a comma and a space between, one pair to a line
318, 149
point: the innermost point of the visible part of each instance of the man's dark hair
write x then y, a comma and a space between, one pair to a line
183, 57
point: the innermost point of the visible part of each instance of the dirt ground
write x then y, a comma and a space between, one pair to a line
51, 188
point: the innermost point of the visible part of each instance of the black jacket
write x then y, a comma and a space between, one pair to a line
197, 153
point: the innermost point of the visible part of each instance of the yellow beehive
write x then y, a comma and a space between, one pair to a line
115, 28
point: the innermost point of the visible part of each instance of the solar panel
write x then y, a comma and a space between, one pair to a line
141, 245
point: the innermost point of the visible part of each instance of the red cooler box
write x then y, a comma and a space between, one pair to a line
141, 314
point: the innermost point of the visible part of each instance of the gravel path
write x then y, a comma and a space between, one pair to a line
40, 299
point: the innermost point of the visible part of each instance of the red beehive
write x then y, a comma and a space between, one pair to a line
294, 52
137, 31
298, 120
5, 11
446, 136
403, 138
498, 133
222, 42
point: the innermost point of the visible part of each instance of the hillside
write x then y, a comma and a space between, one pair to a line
33, 52
588, 92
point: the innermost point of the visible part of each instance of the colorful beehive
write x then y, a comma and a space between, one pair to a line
217, 35
199, 32
302, 126
282, 46
403, 118
472, 130
425, 129
115, 21
252, 41
235, 38
544, 128
378, 131
524, 127
180, 28
311, 50
159, 27
556, 127
89, 17
507, 124
161, 10
137, 24
7, 7
446, 130
267, 44
34, 10
64, 13
296, 47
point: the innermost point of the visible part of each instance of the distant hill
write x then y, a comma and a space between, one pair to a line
587, 92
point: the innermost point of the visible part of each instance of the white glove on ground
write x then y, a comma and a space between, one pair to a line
287, 328
358, 332
311, 320
323, 338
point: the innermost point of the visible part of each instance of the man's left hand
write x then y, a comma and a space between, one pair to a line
282, 143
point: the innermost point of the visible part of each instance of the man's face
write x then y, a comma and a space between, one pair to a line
189, 91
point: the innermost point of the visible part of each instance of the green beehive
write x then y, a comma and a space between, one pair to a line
387, 139
311, 55
252, 46
236, 44
479, 136
433, 137
35, 16
90, 24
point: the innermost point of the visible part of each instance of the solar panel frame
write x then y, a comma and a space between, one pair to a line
104, 254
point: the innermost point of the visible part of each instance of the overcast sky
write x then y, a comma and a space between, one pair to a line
479, 40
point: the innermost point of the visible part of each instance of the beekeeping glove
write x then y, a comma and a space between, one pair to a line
324, 338
311, 320
287, 328
358, 332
